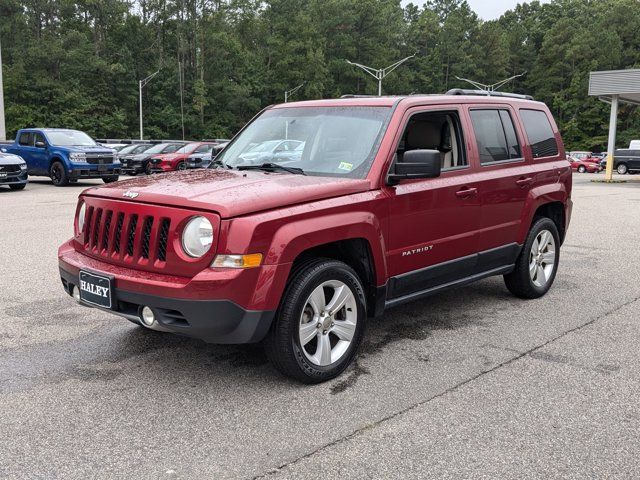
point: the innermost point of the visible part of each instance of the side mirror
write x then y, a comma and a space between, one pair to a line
416, 164
40, 144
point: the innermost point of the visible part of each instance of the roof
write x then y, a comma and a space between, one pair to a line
623, 83
408, 100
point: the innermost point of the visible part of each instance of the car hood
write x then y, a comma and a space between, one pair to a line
9, 159
74, 149
230, 193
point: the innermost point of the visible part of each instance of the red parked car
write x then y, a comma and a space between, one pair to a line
168, 162
392, 199
583, 166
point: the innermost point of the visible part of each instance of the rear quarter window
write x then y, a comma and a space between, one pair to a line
539, 132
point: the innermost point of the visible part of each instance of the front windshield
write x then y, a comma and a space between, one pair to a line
141, 148
70, 138
157, 148
128, 149
324, 141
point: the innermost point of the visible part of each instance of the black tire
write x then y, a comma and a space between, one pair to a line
181, 166
519, 281
18, 186
582, 169
622, 169
110, 179
147, 168
282, 344
58, 174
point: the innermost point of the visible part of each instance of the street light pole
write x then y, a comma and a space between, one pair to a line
3, 131
141, 84
380, 73
288, 93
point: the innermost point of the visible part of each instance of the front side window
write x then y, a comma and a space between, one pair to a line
541, 138
435, 131
70, 138
334, 141
495, 136
38, 137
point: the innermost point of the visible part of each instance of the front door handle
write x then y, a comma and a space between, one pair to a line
524, 181
467, 192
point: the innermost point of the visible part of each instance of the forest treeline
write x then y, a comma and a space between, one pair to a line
77, 63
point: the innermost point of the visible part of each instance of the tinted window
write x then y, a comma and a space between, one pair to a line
495, 136
26, 139
540, 134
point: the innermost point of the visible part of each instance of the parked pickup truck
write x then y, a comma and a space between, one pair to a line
64, 155
390, 200
626, 161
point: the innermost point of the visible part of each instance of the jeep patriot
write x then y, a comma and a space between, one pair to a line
386, 200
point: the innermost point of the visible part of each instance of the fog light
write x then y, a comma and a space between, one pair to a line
75, 293
147, 316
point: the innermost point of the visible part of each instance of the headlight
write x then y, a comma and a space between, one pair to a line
23, 166
81, 215
197, 237
78, 157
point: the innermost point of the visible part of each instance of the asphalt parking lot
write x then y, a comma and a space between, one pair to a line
472, 383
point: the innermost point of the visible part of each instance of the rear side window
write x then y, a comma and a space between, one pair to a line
541, 138
26, 139
495, 136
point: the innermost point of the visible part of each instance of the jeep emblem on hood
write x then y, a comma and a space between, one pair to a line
130, 194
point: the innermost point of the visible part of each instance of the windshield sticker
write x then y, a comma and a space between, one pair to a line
345, 166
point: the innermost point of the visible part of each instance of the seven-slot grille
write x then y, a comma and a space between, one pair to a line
132, 236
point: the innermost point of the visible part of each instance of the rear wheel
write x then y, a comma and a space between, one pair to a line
537, 264
58, 174
622, 169
19, 186
320, 323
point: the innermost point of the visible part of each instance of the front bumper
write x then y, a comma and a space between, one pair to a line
133, 168
161, 168
214, 321
91, 171
231, 306
14, 178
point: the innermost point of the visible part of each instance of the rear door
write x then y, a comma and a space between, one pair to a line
433, 222
505, 180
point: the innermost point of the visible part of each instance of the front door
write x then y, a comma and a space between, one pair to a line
433, 223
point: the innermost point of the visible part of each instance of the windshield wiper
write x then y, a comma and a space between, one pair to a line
269, 167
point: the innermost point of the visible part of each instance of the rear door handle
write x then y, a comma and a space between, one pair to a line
524, 182
467, 192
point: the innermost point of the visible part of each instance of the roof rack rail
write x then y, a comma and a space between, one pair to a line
351, 95
485, 93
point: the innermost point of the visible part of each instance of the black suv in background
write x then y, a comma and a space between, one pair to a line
13, 171
626, 161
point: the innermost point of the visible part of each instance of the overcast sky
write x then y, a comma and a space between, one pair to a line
486, 9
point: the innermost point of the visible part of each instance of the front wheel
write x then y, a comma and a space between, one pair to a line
537, 264
110, 179
582, 169
58, 174
622, 169
320, 322
181, 166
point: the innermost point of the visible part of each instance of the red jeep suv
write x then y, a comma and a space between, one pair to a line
390, 200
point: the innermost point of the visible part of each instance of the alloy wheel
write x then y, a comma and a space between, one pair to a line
328, 323
542, 258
